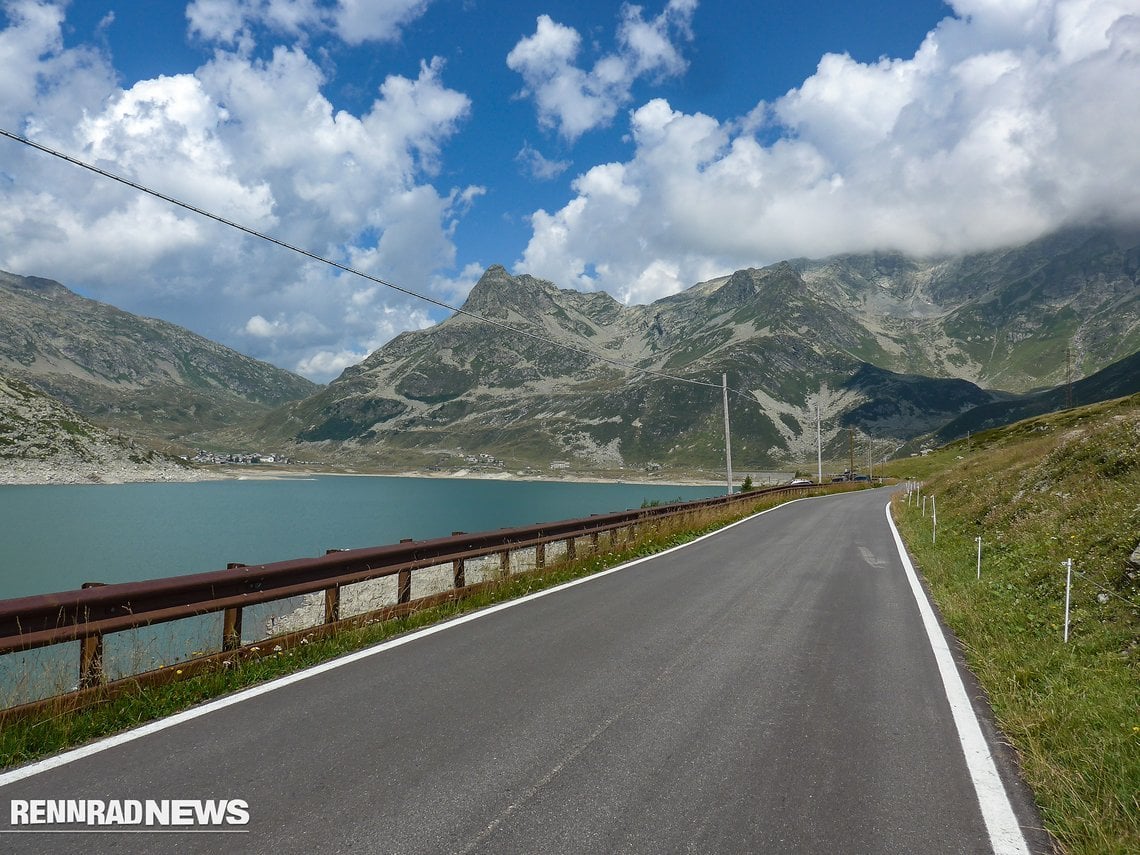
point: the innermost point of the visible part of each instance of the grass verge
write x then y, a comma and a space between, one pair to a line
1039, 493
26, 739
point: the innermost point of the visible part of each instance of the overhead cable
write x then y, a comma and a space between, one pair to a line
352, 270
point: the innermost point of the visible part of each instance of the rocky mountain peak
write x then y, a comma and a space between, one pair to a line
744, 286
497, 292
33, 285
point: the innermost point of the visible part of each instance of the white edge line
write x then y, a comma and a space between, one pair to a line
997, 810
110, 742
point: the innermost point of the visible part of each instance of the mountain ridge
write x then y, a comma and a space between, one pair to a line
140, 374
882, 343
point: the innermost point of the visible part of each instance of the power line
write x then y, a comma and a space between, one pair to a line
352, 270
1107, 591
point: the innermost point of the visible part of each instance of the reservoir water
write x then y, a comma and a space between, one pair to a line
54, 538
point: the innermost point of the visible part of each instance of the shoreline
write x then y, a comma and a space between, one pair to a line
667, 480
28, 474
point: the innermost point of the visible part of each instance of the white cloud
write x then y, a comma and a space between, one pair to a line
353, 21
454, 290
1015, 121
573, 100
260, 327
330, 364
254, 140
327, 364
35, 31
538, 165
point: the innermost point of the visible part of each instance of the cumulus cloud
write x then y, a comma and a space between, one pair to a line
353, 21
330, 363
574, 100
254, 140
1010, 120
455, 289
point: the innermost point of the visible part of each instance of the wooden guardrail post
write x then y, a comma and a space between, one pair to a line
404, 580
505, 562
332, 604
91, 661
91, 653
458, 571
231, 621
570, 548
540, 556
332, 596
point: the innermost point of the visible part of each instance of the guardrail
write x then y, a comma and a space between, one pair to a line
96, 610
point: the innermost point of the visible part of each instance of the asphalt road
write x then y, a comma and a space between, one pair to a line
768, 689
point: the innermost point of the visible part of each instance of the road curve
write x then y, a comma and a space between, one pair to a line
770, 688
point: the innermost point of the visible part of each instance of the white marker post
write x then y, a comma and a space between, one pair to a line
1068, 593
979, 542
934, 515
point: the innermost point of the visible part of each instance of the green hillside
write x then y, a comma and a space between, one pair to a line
1038, 493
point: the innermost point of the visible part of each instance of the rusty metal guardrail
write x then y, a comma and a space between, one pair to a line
88, 614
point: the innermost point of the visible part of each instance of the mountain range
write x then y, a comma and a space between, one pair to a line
881, 345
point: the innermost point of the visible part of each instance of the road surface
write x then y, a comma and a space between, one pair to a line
770, 688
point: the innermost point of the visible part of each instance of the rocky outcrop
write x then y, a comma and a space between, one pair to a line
43, 442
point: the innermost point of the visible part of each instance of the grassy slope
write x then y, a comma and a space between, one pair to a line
1039, 492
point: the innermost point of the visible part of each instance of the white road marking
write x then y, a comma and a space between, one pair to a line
869, 557
997, 811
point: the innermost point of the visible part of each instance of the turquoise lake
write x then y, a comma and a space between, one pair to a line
54, 538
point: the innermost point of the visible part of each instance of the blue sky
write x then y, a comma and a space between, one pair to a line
635, 149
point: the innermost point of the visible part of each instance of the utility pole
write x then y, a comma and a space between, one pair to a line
851, 451
1068, 378
727, 437
818, 443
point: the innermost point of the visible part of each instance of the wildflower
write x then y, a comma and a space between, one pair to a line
179, 671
